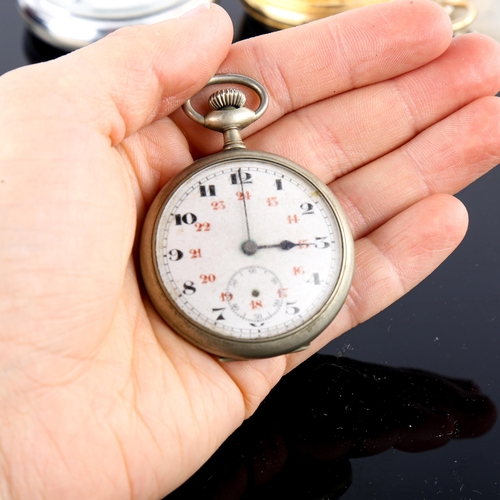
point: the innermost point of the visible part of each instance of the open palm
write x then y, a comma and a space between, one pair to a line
99, 398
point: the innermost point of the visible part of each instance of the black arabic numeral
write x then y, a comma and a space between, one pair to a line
314, 279
241, 178
308, 208
188, 219
189, 288
320, 243
175, 254
211, 191
290, 309
220, 310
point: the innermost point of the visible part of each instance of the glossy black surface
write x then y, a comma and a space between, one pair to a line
402, 407
308, 435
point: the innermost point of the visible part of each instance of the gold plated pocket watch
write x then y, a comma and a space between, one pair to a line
245, 254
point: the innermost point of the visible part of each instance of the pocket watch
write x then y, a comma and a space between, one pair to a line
280, 14
244, 253
71, 24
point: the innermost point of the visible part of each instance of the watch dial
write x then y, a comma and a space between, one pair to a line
248, 249
120, 9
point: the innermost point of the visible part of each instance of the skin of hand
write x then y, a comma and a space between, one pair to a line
98, 397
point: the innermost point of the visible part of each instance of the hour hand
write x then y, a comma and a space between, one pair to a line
249, 247
284, 245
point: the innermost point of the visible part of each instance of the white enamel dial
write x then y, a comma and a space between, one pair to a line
248, 249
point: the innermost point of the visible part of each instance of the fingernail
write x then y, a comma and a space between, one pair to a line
203, 7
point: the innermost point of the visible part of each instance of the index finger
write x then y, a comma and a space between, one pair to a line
125, 81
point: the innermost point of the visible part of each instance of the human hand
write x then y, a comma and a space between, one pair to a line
100, 399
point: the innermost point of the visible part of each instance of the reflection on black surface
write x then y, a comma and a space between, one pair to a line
37, 50
327, 411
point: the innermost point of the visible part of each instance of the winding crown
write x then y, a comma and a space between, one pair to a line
227, 98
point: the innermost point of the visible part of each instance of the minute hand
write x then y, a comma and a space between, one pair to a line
244, 205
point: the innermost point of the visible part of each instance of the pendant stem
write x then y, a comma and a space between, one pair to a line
232, 139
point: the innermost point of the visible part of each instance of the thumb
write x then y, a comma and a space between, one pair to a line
133, 76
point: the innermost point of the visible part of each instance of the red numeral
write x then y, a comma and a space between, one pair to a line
243, 196
292, 219
256, 304
195, 253
202, 226
272, 202
298, 270
226, 297
218, 205
303, 244
207, 278
282, 293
